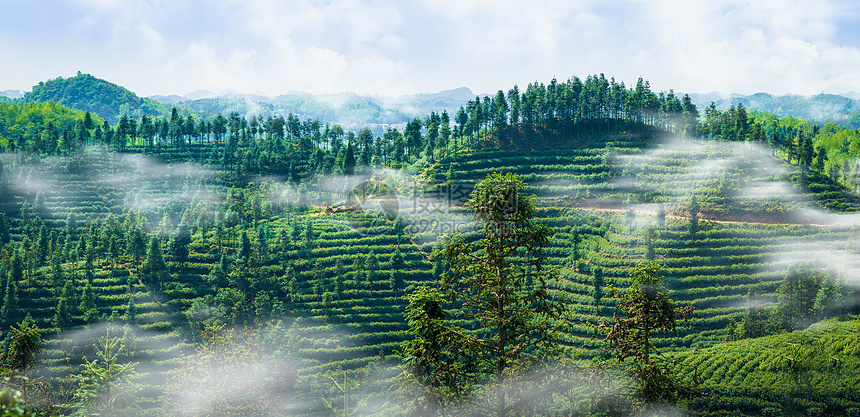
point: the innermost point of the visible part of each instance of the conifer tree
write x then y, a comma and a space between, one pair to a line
24, 344
179, 245
486, 281
65, 306
43, 245
348, 167
371, 263
368, 279
16, 270
5, 228
10, 312
88, 303
693, 210
113, 250
597, 283
244, 247
154, 268
642, 311
310, 234
220, 271
338, 286
395, 282
131, 311
104, 384
649, 244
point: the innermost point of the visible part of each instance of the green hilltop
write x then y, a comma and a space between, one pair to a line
87, 93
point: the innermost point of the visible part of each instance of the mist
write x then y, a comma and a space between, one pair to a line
694, 167
109, 182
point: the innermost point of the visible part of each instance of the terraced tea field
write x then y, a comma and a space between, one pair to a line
810, 372
340, 291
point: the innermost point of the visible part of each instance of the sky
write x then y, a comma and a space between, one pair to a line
390, 48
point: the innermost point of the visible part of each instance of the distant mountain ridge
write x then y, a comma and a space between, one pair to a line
349, 110
352, 111
822, 108
13, 94
109, 101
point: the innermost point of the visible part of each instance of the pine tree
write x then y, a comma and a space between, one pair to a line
244, 247
646, 309
693, 210
310, 234
104, 384
88, 304
395, 282
597, 283
113, 250
16, 270
348, 167
24, 344
131, 311
10, 312
5, 229
339, 282
371, 263
65, 307
154, 268
486, 282
219, 272
179, 245
368, 279
43, 245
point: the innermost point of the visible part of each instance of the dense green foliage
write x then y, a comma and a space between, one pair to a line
104, 384
819, 109
827, 156
497, 282
90, 94
809, 372
42, 128
225, 244
643, 310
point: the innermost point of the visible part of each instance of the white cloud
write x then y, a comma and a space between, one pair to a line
391, 47
733, 46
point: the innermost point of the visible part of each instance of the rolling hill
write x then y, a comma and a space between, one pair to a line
273, 279
87, 93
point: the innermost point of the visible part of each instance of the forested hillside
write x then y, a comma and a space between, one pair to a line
269, 265
90, 94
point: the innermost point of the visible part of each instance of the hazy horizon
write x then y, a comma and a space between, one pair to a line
204, 93
388, 48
